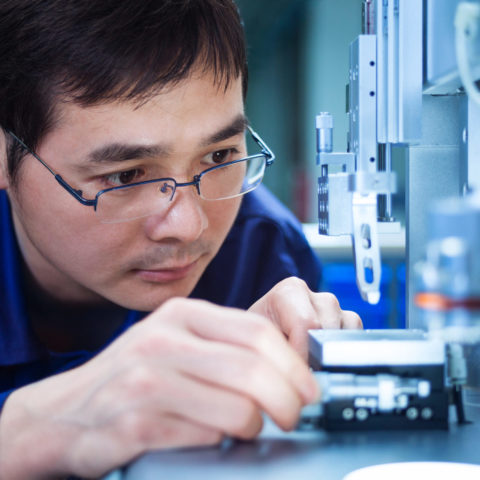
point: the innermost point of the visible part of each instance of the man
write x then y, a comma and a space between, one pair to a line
123, 127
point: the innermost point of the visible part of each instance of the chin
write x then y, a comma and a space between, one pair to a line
150, 298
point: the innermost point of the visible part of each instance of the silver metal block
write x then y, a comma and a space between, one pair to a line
378, 182
351, 348
335, 205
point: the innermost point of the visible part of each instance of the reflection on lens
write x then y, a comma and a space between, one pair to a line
233, 179
136, 201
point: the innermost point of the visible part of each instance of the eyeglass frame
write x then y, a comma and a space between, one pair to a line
92, 202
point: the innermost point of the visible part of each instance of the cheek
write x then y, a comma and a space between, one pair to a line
221, 216
66, 233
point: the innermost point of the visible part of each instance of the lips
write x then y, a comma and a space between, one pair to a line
166, 274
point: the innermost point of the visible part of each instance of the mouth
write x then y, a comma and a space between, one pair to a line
166, 274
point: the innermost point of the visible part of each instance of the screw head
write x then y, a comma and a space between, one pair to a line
348, 414
426, 413
412, 413
361, 414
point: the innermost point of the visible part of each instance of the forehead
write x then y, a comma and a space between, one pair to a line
182, 114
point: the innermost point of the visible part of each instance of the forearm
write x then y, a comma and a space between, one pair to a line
35, 439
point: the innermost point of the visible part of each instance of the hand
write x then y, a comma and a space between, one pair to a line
294, 308
187, 375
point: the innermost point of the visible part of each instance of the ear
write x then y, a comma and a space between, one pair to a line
4, 183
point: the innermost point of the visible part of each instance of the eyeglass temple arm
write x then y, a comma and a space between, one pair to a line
75, 193
263, 145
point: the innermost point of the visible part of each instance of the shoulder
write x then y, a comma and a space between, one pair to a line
261, 210
261, 203
17, 341
6, 231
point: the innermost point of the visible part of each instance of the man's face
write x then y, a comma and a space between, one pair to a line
140, 263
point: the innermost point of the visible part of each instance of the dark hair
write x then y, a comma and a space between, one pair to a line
97, 51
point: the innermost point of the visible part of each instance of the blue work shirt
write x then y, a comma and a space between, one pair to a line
264, 246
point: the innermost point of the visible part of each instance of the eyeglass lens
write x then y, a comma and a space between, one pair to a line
141, 200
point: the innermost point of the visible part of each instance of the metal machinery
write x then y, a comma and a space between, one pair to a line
412, 86
378, 379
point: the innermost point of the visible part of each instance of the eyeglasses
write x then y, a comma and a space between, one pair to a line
141, 199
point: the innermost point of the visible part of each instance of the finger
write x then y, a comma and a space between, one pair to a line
232, 368
298, 339
326, 317
203, 403
294, 313
296, 309
252, 332
245, 372
329, 313
290, 307
351, 320
314, 310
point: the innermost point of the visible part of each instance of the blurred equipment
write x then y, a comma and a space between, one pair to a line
384, 109
413, 86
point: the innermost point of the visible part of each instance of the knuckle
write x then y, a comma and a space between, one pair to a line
264, 335
246, 422
305, 319
154, 341
291, 421
355, 320
171, 307
290, 283
260, 328
151, 343
210, 437
138, 428
140, 382
254, 373
290, 414
330, 300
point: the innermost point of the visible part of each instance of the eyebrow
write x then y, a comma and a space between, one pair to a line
236, 127
119, 152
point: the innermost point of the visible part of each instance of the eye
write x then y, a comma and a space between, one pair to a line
222, 156
123, 178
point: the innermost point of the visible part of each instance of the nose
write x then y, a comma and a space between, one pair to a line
184, 220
